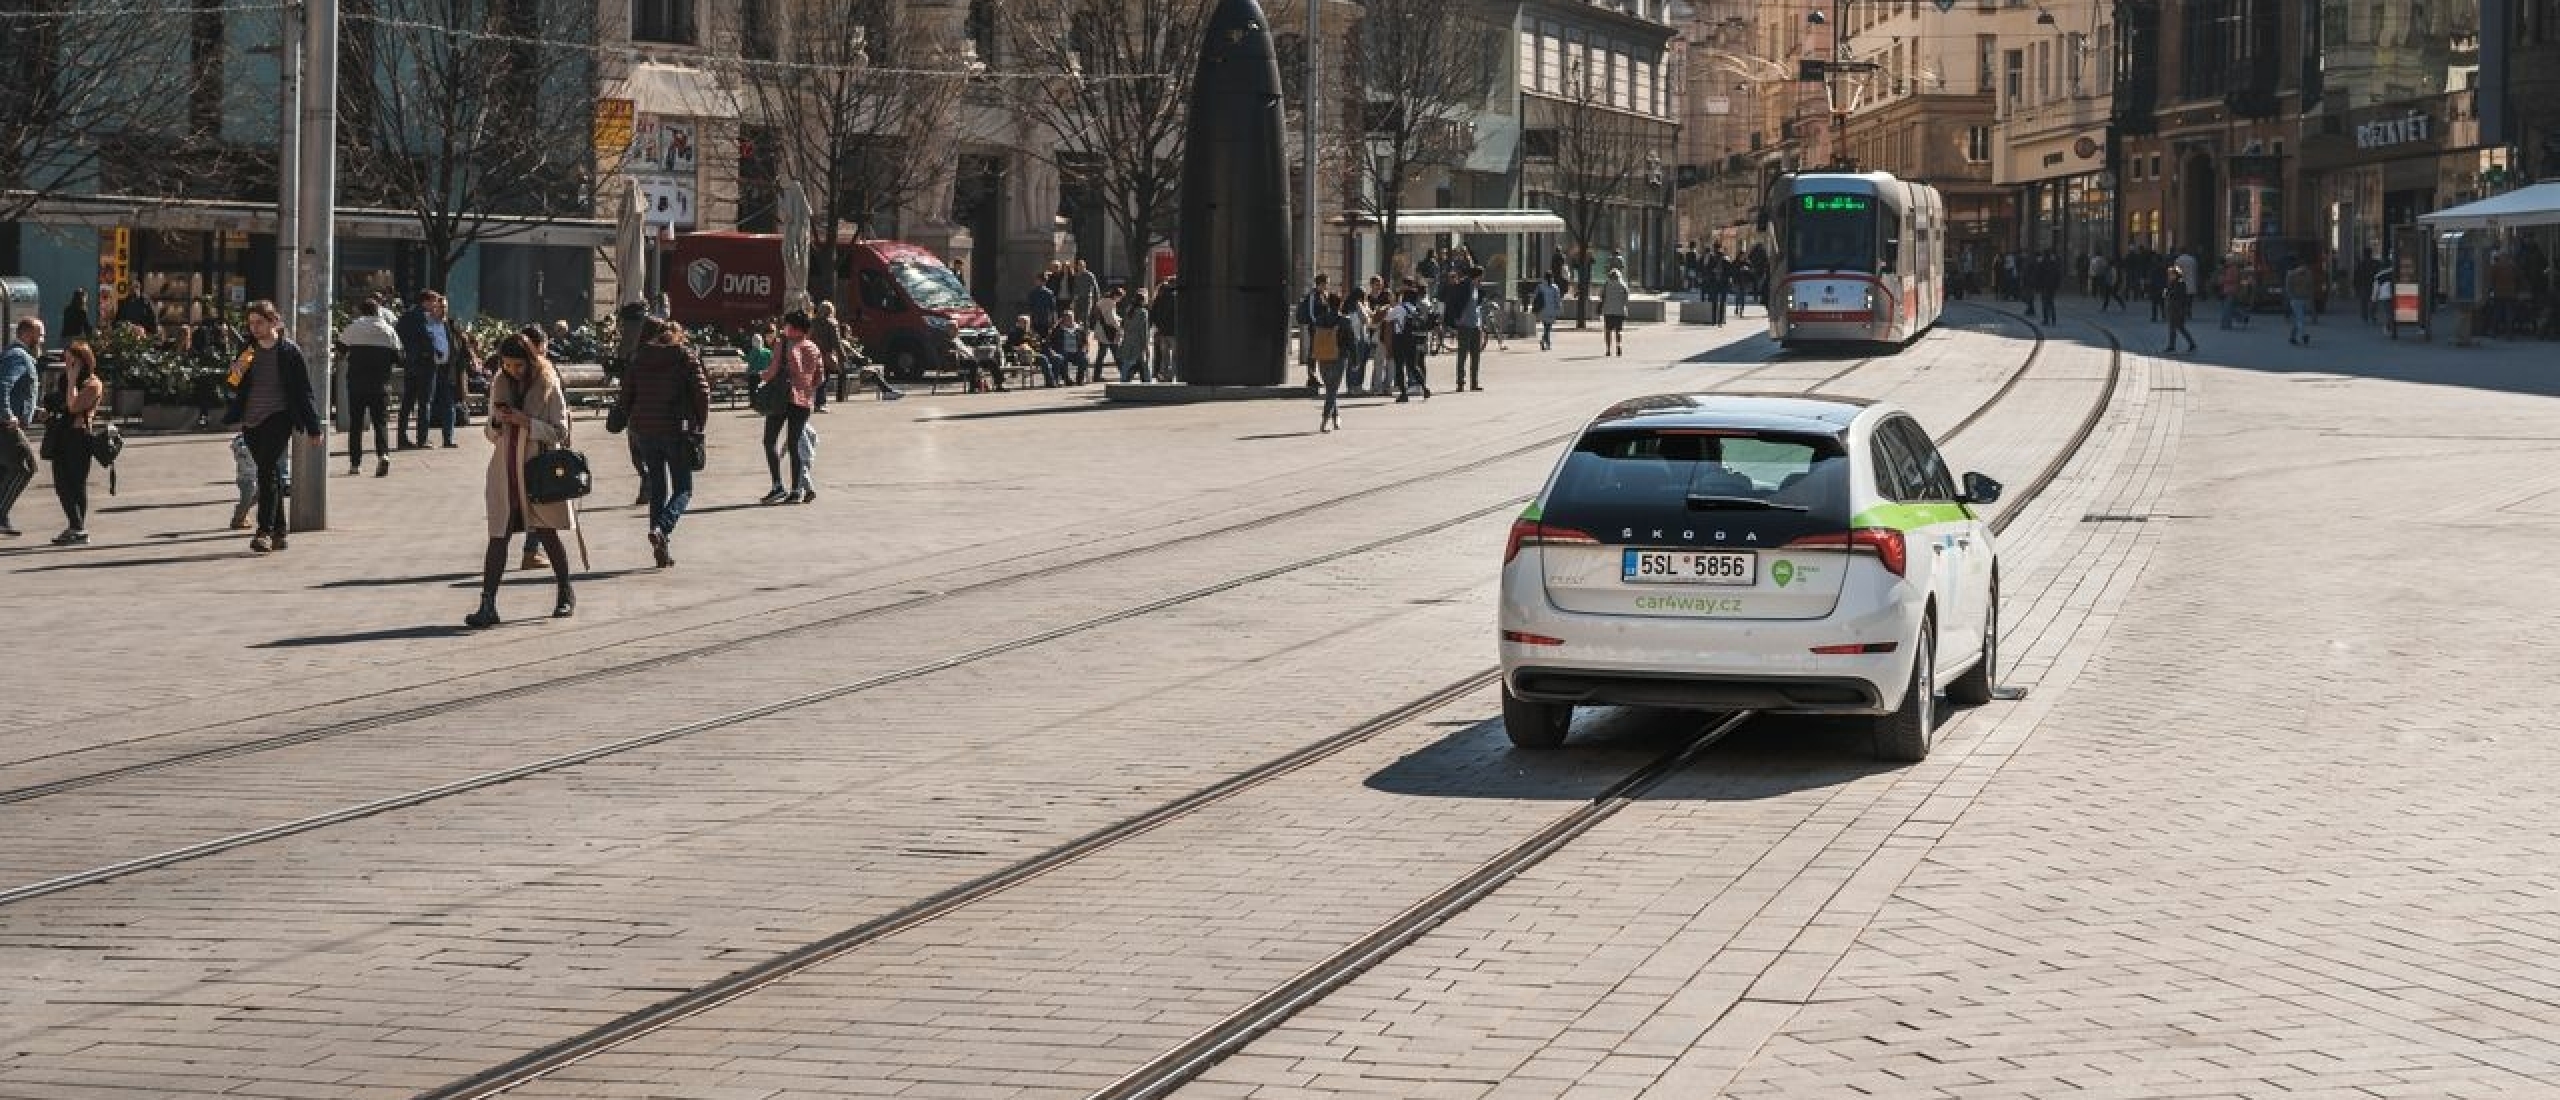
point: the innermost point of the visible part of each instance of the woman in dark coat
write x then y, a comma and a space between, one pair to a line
271, 397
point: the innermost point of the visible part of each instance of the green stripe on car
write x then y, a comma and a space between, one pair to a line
1911, 517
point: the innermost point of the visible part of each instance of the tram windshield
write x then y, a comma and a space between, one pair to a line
1832, 232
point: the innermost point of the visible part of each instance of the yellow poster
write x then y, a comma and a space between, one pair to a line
613, 128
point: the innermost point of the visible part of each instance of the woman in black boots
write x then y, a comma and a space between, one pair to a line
527, 415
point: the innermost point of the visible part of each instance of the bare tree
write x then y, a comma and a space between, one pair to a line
856, 103
467, 115
1117, 109
1599, 160
90, 84
1421, 72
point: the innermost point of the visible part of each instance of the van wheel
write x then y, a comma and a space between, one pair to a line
905, 365
1902, 737
1974, 688
1535, 725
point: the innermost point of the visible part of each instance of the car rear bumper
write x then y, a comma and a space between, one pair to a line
1718, 663
1842, 694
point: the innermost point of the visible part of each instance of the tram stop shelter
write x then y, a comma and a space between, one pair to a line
1510, 244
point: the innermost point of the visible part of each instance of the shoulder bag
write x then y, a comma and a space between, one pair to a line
556, 475
695, 455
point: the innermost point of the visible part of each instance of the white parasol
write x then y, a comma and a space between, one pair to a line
795, 247
631, 245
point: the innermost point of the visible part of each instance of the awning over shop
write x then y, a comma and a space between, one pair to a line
661, 89
2517, 209
111, 211
1425, 222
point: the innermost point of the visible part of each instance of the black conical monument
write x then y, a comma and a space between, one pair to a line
1234, 243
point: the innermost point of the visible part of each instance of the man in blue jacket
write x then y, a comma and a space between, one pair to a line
17, 410
426, 353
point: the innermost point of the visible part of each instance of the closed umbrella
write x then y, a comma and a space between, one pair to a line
795, 247
631, 245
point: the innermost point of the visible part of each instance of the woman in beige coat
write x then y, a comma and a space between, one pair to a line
527, 416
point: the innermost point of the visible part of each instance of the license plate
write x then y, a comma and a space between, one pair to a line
1690, 567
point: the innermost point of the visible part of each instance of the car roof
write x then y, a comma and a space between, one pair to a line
1772, 412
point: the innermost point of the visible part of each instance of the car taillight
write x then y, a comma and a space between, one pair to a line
1884, 542
1525, 638
1530, 532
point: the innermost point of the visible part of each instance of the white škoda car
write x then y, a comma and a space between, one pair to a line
1732, 552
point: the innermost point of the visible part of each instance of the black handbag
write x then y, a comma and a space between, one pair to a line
105, 443
772, 397
557, 475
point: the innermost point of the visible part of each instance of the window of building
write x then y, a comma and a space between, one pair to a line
1977, 144
1986, 63
2014, 77
662, 21
755, 29
2075, 48
2044, 72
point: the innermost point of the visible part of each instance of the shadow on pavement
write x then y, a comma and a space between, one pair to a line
1097, 405
1767, 757
120, 509
392, 634
129, 563
2342, 346
514, 578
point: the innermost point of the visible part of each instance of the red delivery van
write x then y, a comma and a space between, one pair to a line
908, 309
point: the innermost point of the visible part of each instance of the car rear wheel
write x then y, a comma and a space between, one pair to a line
1974, 688
1903, 736
1534, 725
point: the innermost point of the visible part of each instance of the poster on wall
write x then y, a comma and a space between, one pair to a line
2257, 197
662, 161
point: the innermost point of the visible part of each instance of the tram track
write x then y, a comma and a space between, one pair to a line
1170, 1070
404, 715
238, 840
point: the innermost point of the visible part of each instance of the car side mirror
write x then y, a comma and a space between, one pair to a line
1979, 489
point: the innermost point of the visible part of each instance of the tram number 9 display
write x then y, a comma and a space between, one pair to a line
1825, 204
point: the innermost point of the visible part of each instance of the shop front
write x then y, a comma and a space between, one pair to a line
2376, 168
2066, 200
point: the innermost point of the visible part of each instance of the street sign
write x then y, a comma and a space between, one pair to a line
1811, 70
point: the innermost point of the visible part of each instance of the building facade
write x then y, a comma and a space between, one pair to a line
2050, 71
1921, 112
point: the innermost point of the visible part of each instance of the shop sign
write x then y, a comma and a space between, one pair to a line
2384, 133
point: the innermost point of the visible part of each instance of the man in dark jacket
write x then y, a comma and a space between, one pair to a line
373, 350
668, 394
426, 352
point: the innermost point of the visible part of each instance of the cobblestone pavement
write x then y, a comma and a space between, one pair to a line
2253, 830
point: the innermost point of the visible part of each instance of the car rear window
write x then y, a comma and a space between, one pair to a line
1645, 476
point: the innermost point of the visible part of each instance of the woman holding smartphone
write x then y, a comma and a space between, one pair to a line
527, 415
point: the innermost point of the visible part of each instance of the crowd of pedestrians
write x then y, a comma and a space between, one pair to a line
410, 371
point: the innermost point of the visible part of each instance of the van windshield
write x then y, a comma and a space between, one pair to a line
932, 286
